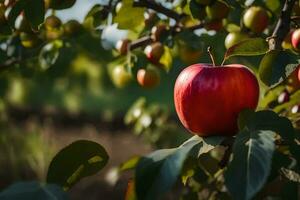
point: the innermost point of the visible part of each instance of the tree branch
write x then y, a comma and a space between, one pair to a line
148, 40
282, 27
158, 8
228, 142
140, 42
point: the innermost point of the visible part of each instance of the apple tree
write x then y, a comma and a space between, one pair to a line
236, 92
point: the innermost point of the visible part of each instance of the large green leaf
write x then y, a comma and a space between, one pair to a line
129, 17
267, 120
250, 47
33, 191
250, 167
34, 11
79, 159
276, 66
157, 172
253, 150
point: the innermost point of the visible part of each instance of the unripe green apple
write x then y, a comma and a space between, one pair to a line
72, 28
52, 23
218, 10
256, 19
148, 78
29, 40
234, 38
120, 77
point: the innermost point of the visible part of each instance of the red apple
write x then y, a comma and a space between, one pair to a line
208, 99
148, 78
296, 39
154, 52
122, 46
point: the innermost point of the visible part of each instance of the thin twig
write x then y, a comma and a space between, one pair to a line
158, 8
282, 27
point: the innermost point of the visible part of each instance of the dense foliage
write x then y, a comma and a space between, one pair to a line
132, 48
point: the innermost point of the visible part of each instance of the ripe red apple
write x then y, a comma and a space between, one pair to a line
256, 19
148, 78
157, 32
292, 81
296, 39
208, 99
154, 52
283, 97
122, 46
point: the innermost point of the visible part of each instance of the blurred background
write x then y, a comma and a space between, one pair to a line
42, 111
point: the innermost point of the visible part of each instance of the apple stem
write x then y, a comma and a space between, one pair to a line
211, 56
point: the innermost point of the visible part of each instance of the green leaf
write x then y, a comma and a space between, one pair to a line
79, 159
250, 167
196, 10
34, 11
33, 190
273, 5
95, 16
244, 116
276, 66
49, 54
157, 172
250, 47
166, 59
129, 17
268, 120
130, 164
252, 151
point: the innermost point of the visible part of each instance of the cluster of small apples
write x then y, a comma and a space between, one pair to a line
148, 77
52, 28
255, 19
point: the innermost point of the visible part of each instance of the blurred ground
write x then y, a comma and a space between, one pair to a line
117, 140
